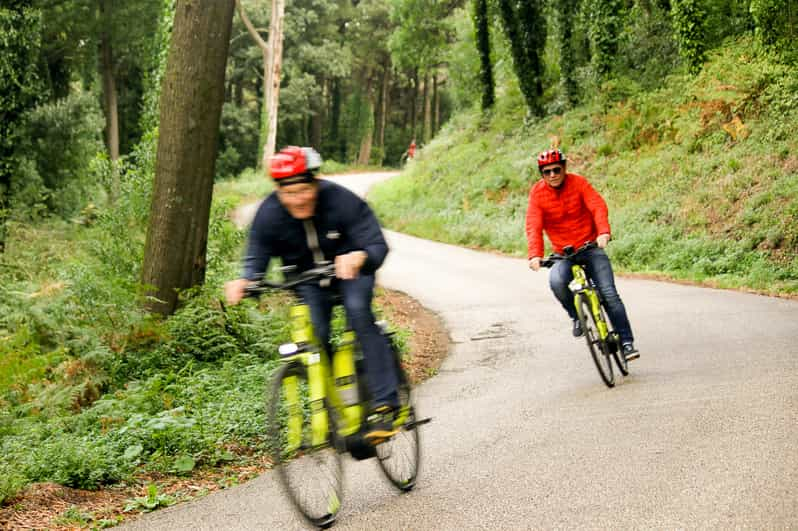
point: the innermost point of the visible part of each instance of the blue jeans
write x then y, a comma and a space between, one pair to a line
598, 267
357, 295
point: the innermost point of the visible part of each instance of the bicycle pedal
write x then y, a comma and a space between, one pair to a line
415, 423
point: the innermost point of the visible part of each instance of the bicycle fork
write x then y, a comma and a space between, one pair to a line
582, 288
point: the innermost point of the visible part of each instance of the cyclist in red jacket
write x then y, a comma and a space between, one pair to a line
571, 212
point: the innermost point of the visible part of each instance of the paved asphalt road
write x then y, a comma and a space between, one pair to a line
702, 434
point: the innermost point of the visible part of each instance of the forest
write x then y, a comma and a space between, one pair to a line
115, 354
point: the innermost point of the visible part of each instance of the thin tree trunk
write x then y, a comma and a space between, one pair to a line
317, 118
427, 109
264, 50
190, 110
5, 185
413, 104
110, 104
435, 104
275, 69
364, 153
338, 142
383, 113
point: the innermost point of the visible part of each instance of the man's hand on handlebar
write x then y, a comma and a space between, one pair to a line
534, 263
234, 290
347, 266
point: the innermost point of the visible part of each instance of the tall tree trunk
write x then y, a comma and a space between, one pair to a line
317, 123
364, 153
427, 109
382, 113
413, 104
190, 110
482, 37
435, 104
264, 50
565, 15
110, 99
275, 70
338, 140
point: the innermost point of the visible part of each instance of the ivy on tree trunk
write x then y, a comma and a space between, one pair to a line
525, 27
482, 38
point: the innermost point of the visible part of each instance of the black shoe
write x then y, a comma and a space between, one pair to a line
380, 425
577, 330
629, 351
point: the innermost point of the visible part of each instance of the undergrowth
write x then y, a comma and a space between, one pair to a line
92, 390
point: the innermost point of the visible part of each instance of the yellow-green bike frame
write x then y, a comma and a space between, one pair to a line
328, 383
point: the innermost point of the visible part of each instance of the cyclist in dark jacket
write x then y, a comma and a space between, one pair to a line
307, 222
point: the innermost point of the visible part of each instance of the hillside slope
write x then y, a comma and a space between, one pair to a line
701, 175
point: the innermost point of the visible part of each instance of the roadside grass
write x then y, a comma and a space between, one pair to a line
701, 176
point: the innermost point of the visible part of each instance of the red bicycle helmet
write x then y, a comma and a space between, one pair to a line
551, 156
294, 161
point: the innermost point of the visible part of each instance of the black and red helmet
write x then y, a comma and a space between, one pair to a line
294, 164
551, 156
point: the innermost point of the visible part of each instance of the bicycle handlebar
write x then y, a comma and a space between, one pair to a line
568, 252
255, 288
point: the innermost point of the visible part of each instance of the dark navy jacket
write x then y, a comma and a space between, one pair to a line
343, 222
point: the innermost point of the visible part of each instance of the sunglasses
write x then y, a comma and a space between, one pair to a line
552, 171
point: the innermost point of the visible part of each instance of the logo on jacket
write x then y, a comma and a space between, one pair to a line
333, 235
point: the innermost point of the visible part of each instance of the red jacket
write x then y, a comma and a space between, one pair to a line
572, 214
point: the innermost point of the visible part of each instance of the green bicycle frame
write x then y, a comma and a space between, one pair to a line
581, 287
322, 384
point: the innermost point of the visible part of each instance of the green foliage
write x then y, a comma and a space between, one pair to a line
153, 500
20, 88
675, 164
689, 27
776, 23
238, 140
647, 49
60, 139
421, 34
606, 21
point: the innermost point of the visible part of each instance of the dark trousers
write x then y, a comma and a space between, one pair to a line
357, 295
598, 267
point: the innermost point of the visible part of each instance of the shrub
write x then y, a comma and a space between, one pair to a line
60, 139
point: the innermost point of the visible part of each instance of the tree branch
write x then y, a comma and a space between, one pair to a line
252, 30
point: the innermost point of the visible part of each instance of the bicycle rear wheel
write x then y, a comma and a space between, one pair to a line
310, 471
598, 347
399, 457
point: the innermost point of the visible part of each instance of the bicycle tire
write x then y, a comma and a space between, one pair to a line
399, 457
597, 346
617, 353
312, 477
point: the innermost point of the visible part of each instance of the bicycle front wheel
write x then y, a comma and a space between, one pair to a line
399, 457
597, 346
307, 461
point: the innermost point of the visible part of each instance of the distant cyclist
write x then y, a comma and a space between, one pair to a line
572, 213
307, 222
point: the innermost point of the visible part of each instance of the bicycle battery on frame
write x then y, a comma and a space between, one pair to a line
345, 377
